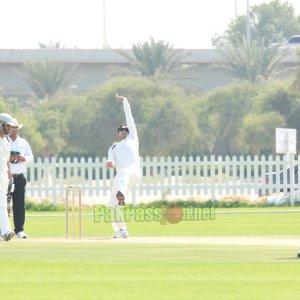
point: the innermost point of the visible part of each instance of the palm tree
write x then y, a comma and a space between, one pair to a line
254, 63
152, 59
50, 45
47, 77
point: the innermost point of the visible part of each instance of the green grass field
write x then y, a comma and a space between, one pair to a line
147, 266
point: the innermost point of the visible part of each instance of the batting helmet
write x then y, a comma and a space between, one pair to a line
6, 119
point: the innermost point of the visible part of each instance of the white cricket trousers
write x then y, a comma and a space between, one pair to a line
4, 220
123, 182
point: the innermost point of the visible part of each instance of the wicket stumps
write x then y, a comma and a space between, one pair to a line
73, 192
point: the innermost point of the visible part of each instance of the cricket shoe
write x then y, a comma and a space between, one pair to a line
8, 236
121, 198
121, 234
21, 235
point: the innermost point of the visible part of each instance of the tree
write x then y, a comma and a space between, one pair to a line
293, 118
257, 133
273, 22
48, 77
50, 45
52, 126
220, 116
30, 130
254, 63
237, 119
296, 84
156, 106
274, 105
171, 130
156, 59
277, 97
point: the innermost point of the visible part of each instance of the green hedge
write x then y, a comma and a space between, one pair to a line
228, 203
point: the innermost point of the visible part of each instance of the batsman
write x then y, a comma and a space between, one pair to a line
5, 123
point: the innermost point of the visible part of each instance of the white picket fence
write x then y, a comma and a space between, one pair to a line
180, 178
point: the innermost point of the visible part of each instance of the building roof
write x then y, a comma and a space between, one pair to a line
105, 55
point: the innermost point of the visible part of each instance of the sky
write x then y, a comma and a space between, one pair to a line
188, 24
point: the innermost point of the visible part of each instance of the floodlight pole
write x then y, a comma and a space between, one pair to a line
248, 25
104, 41
235, 9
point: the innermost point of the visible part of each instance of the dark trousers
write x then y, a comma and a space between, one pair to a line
18, 199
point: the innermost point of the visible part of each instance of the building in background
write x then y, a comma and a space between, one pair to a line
94, 65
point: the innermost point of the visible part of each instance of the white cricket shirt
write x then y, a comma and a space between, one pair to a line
4, 155
20, 145
125, 153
